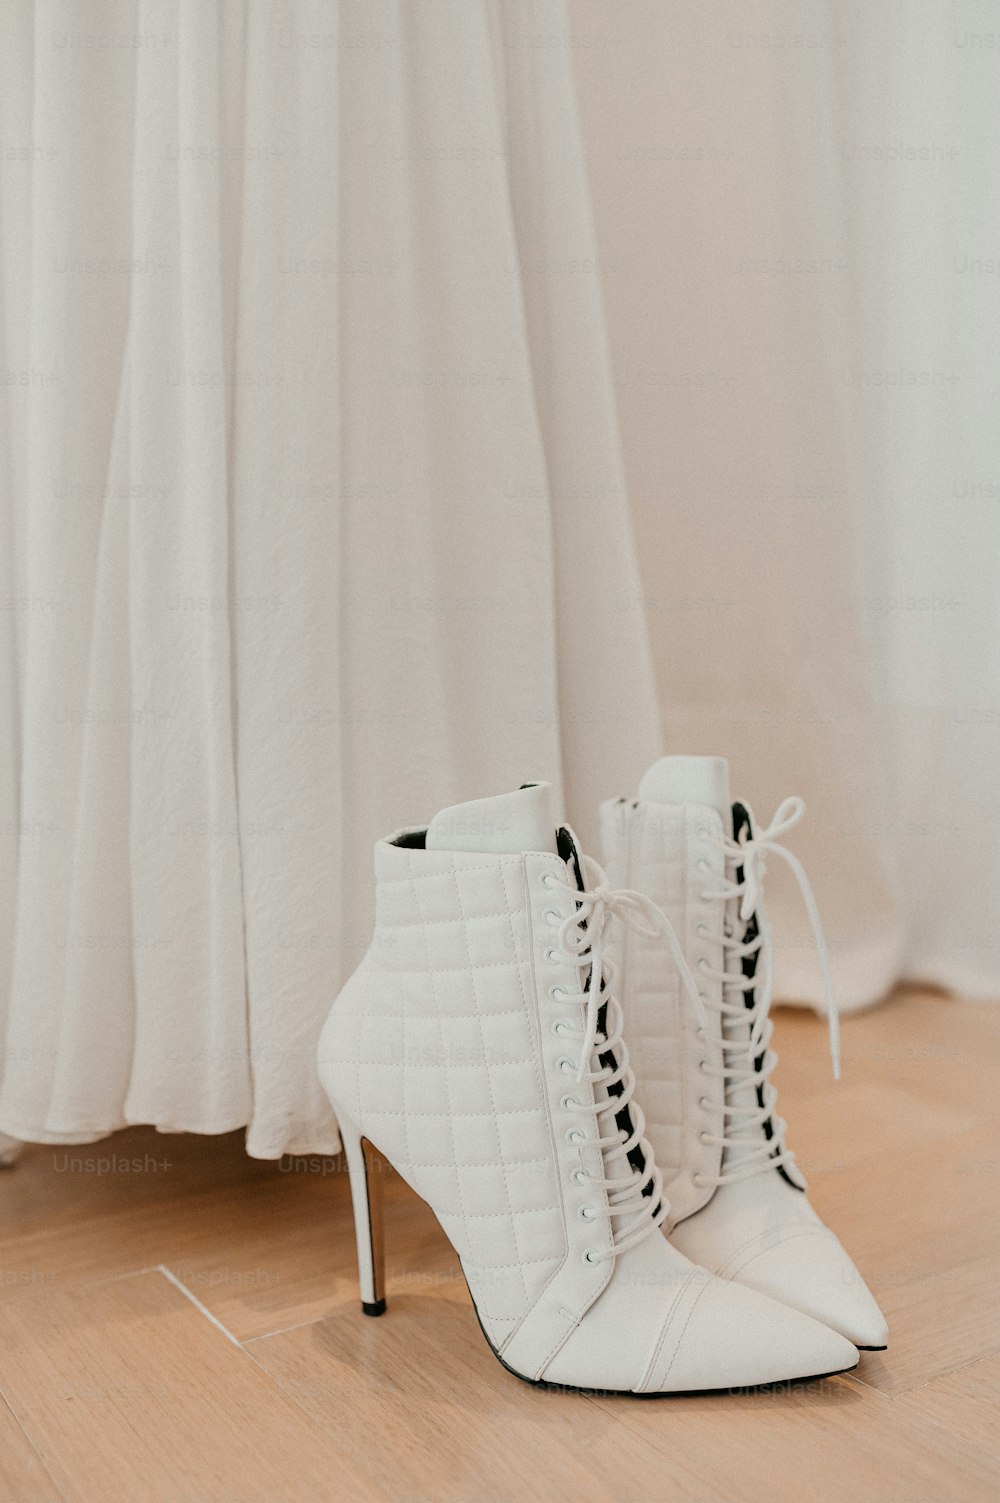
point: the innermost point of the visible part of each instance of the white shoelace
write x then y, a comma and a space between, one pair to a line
753, 1026
635, 1200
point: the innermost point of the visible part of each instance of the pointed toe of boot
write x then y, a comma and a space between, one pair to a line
811, 1271
723, 1336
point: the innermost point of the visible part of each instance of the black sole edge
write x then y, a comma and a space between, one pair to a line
779, 1386
373, 1307
873, 1348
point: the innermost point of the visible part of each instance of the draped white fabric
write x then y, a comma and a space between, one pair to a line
314, 515
315, 518
797, 212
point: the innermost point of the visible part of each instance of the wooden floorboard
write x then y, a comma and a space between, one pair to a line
419, 1393
828, 1442
127, 1392
23, 1477
179, 1324
964, 1402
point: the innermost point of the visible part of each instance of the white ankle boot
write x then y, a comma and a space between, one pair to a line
738, 1202
476, 1049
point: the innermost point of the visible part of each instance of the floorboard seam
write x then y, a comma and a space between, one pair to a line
950, 1372
39, 1455
283, 1330
179, 1284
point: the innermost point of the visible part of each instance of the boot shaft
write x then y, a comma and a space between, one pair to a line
449, 1049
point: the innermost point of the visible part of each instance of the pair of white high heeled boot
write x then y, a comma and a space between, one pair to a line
573, 1070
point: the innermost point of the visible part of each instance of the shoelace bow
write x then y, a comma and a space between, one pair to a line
633, 1195
742, 1052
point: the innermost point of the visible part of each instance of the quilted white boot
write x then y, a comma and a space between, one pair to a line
478, 1050
738, 1201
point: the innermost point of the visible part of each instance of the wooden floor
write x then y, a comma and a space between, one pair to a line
182, 1324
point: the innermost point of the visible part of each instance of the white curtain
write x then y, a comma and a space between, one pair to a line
797, 215
314, 518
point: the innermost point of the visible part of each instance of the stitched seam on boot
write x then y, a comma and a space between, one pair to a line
455, 1017
490, 1164
573, 1316
390, 1111
436, 923
657, 1351
574, 1319
442, 970
532, 1017
684, 1327
428, 876
730, 1268
447, 1087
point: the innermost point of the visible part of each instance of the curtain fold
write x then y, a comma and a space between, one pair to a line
312, 508
795, 216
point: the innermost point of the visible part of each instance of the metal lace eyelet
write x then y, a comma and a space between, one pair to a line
560, 1027
702, 963
703, 930
703, 1065
592, 1255
587, 1213
565, 1065
575, 1136
569, 1102
548, 880
704, 1103
550, 916
580, 1177
557, 993
552, 956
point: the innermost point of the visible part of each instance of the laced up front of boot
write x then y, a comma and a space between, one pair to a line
632, 1180
752, 1133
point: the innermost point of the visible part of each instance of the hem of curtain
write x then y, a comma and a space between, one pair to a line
69, 1135
258, 1145
864, 974
971, 986
804, 999
305, 1142
968, 986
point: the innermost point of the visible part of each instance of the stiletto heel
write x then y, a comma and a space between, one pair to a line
365, 1172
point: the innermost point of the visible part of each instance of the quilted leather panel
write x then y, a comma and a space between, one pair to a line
670, 853
437, 1060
